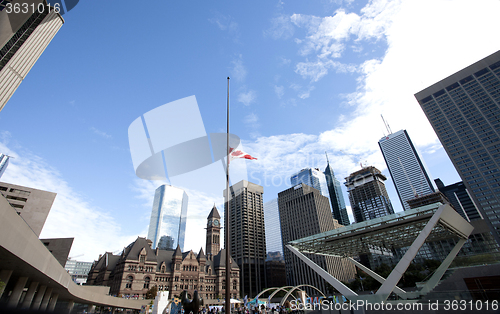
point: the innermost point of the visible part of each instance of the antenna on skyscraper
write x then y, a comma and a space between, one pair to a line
327, 157
386, 125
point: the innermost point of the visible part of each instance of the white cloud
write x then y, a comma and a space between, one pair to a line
279, 90
316, 70
100, 133
419, 53
305, 94
238, 71
226, 23
94, 230
247, 98
281, 27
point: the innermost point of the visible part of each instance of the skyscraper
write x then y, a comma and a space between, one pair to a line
248, 236
309, 176
305, 212
273, 232
168, 217
23, 38
367, 194
405, 166
4, 162
339, 210
460, 199
464, 110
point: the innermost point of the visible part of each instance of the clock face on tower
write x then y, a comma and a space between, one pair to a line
216, 222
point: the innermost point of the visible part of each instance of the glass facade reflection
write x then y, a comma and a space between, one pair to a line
309, 176
168, 217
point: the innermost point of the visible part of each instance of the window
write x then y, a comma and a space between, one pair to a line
146, 282
128, 285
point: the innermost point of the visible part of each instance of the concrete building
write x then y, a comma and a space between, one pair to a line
459, 198
367, 194
464, 110
305, 212
405, 166
34, 279
248, 235
339, 210
59, 247
23, 38
140, 267
168, 216
273, 231
31, 204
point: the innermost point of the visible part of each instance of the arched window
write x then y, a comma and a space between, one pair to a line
128, 285
146, 282
163, 268
235, 284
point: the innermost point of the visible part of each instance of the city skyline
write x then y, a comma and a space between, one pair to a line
326, 74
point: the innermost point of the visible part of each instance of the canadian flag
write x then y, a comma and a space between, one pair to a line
237, 153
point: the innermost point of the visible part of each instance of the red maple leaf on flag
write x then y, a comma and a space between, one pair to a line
236, 153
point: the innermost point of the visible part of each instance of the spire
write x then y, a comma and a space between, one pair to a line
178, 251
327, 161
214, 213
201, 255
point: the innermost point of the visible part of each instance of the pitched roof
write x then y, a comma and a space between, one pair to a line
201, 255
134, 249
214, 213
220, 260
178, 251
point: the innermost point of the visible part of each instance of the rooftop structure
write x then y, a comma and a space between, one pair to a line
367, 194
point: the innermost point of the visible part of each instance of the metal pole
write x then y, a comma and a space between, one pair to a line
226, 214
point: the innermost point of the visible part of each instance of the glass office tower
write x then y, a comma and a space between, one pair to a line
168, 217
464, 110
339, 210
405, 166
309, 176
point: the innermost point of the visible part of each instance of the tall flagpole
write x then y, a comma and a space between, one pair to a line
226, 214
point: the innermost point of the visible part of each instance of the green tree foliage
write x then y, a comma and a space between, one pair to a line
151, 294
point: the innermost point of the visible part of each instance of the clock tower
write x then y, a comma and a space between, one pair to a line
213, 233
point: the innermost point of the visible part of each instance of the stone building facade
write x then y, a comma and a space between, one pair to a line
139, 268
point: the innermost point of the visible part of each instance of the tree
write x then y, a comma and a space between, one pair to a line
151, 294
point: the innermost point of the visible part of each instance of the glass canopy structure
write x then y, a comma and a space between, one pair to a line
409, 229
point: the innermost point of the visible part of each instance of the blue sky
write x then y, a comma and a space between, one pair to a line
306, 77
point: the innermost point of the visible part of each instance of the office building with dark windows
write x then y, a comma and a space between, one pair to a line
464, 110
248, 235
168, 217
459, 198
23, 38
305, 212
367, 194
405, 166
339, 210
